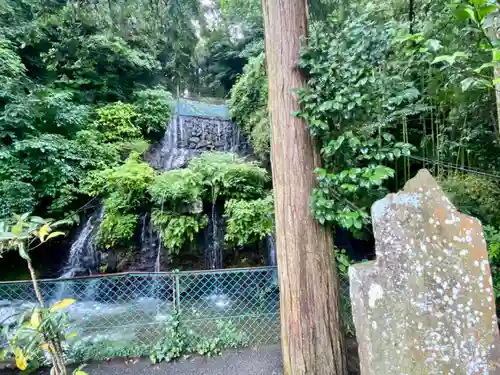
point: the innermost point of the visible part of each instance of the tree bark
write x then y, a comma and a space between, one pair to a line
311, 329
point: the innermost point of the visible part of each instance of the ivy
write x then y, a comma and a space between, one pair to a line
349, 72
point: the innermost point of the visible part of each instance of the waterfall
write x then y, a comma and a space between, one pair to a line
194, 128
213, 249
83, 256
187, 137
270, 241
160, 243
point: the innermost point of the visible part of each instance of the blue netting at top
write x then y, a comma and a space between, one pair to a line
185, 107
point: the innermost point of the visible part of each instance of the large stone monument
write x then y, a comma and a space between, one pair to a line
426, 305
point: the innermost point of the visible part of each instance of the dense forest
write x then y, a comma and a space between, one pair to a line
88, 85
135, 135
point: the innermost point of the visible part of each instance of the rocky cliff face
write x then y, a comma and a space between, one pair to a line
189, 136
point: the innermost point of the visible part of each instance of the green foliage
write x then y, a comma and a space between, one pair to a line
17, 197
481, 15
115, 121
227, 336
173, 344
475, 195
116, 228
125, 191
21, 232
492, 236
153, 109
348, 72
46, 331
179, 196
343, 263
126, 185
83, 350
177, 341
249, 221
176, 229
177, 187
227, 175
248, 105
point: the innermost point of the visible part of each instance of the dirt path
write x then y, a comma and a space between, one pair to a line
248, 361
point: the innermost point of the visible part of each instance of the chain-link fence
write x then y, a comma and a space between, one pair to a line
126, 314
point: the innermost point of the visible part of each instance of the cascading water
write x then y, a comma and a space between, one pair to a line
213, 248
83, 256
270, 241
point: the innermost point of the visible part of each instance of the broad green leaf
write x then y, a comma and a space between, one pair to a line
485, 11
37, 220
484, 66
79, 372
71, 335
467, 83
478, 3
62, 304
24, 216
470, 12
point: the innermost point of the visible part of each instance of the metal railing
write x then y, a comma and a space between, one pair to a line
131, 310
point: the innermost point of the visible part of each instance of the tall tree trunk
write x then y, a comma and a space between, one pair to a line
311, 334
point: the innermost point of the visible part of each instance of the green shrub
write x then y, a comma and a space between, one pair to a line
176, 187
124, 189
492, 236
16, 197
116, 122
153, 109
248, 105
474, 195
227, 175
117, 229
176, 229
249, 221
128, 182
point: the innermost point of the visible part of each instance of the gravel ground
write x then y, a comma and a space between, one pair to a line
249, 361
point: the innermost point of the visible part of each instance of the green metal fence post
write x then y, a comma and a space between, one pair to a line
177, 289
